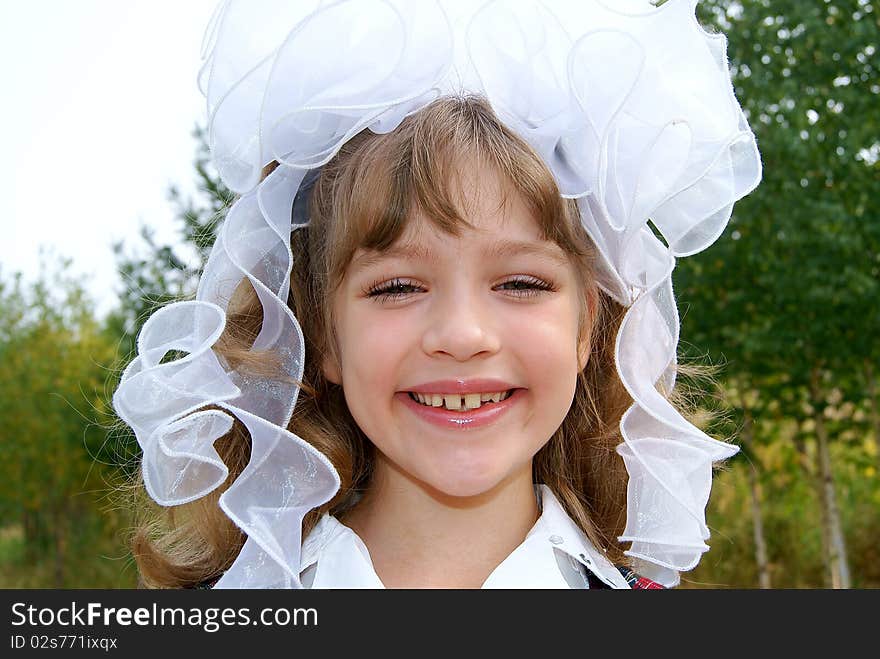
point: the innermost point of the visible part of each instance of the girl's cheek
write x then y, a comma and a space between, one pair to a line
400, 319
557, 318
383, 333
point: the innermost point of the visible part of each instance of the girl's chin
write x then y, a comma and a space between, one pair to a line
457, 472
464, 486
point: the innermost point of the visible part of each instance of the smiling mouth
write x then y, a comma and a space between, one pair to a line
460, 402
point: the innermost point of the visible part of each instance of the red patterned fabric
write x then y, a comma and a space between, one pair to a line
638, 582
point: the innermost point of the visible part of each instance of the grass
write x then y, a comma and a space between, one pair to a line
93, 560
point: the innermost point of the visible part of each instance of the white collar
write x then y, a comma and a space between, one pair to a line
551, 556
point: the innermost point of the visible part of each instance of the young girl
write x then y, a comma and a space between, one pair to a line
434, 345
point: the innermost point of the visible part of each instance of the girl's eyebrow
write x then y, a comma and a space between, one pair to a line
499, 249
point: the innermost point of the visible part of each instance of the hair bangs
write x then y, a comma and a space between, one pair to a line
380, 181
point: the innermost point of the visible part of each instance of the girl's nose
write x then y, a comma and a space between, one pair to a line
461, 325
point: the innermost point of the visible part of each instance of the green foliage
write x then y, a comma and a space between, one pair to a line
54, 466
792, 522
790, 294
793, 283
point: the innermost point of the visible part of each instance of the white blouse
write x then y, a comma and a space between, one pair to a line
554, 554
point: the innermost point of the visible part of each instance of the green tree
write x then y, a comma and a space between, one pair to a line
789, 294
53, 366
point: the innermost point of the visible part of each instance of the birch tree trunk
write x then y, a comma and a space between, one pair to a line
812, 472
757, 517
840, 577
758, 530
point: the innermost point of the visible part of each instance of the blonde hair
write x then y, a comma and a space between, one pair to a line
363, 198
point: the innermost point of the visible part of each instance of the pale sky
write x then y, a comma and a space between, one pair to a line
99, 98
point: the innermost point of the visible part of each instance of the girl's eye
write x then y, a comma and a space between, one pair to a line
528, 286
392, 290
520, 287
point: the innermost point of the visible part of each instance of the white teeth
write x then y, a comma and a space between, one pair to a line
460, 402
452, 401
472, 401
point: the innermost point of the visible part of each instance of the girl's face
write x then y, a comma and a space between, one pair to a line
436, 313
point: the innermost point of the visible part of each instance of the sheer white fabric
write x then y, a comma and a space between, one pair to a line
631, 107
